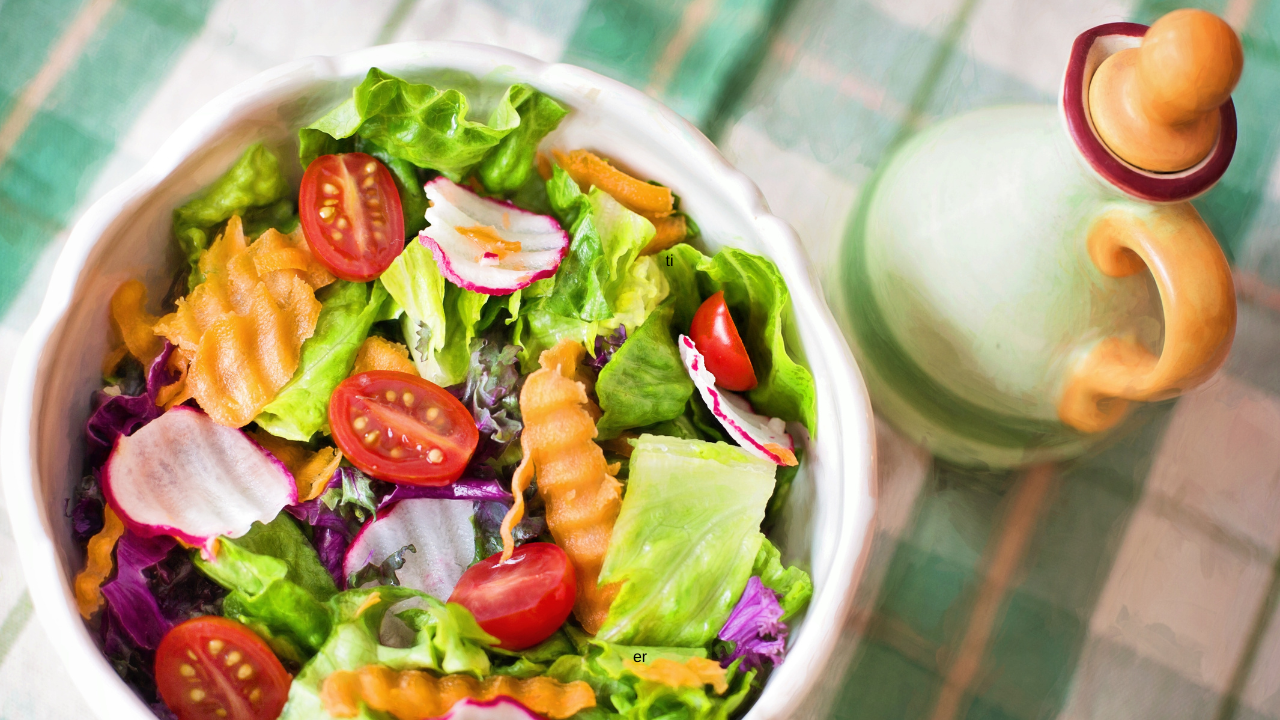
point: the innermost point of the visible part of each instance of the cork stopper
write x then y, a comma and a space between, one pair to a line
1156, 105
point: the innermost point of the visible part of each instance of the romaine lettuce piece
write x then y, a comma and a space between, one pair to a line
301, 408
418, 123
645, 383
254, 181
685, 540
439, 319
793, 585
282, 603
758, 298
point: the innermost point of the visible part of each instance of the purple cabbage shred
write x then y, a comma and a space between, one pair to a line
128, 596
755, 628
606, 346
117, 415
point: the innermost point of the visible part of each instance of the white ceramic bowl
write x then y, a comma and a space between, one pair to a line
126, 234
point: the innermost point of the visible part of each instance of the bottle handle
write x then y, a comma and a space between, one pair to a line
1198, 298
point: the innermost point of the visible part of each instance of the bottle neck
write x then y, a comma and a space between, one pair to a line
1088, 52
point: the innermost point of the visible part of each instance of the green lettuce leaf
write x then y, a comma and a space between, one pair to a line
793, 585
683, 575
510, 165
417, 123
301, 408
446, 639
282, 602
607, 239
255, 181
645, 382
761, 305
619, 693
440, 318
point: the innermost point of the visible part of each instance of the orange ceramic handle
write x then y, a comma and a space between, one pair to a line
1199, 315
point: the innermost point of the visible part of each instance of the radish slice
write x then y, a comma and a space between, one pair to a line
187, 476
441, 533
499, 708
764, 437
489, 246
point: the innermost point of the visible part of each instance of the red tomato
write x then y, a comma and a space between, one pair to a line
521, 601
212, 668
398, 427
717, 339
350, 213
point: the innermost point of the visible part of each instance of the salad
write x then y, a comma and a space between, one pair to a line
463, 427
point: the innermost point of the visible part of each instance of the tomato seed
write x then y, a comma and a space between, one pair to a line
326, 212
220, 712
360, 423
433, 413
368, 182
215, 646
245, 672
435, 456
197, 695
342, 223
397, 453
371, 437
186, 670
330, 189
408, 399
370, 166
337, 234
253, 696
232, 658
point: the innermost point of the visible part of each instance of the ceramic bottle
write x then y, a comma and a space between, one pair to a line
1016, 277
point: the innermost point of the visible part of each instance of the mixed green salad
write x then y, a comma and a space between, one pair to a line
465, 426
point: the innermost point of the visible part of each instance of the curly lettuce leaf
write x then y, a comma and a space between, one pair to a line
301, 408
683, 575
254, 182
793, 585
417, 123
621, 694
510, 165
645, 382
440, 318
758, 298
445, 638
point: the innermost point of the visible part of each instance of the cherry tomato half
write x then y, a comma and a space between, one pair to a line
398, 427
212, 668
717, 339
521, 601
350, 212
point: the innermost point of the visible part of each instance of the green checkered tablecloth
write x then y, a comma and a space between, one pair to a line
1140, 583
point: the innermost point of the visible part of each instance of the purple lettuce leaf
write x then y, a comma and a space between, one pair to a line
755, 628
116, 415
349, 500
491, 393
129, 599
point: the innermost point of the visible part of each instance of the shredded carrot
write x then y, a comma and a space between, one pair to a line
131, 319
98, 564
311, 470
543, 164
176, 392
487, 237
242, 328
380, 354
587, 169
671, 230
374, 598
416, 694
788, 457
693, 673
578, 487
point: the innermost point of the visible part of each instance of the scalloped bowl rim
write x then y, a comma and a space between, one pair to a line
844, 407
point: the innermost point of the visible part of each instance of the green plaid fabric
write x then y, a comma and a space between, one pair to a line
1141, 582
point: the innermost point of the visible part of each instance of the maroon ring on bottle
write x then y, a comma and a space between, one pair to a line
1142, 184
